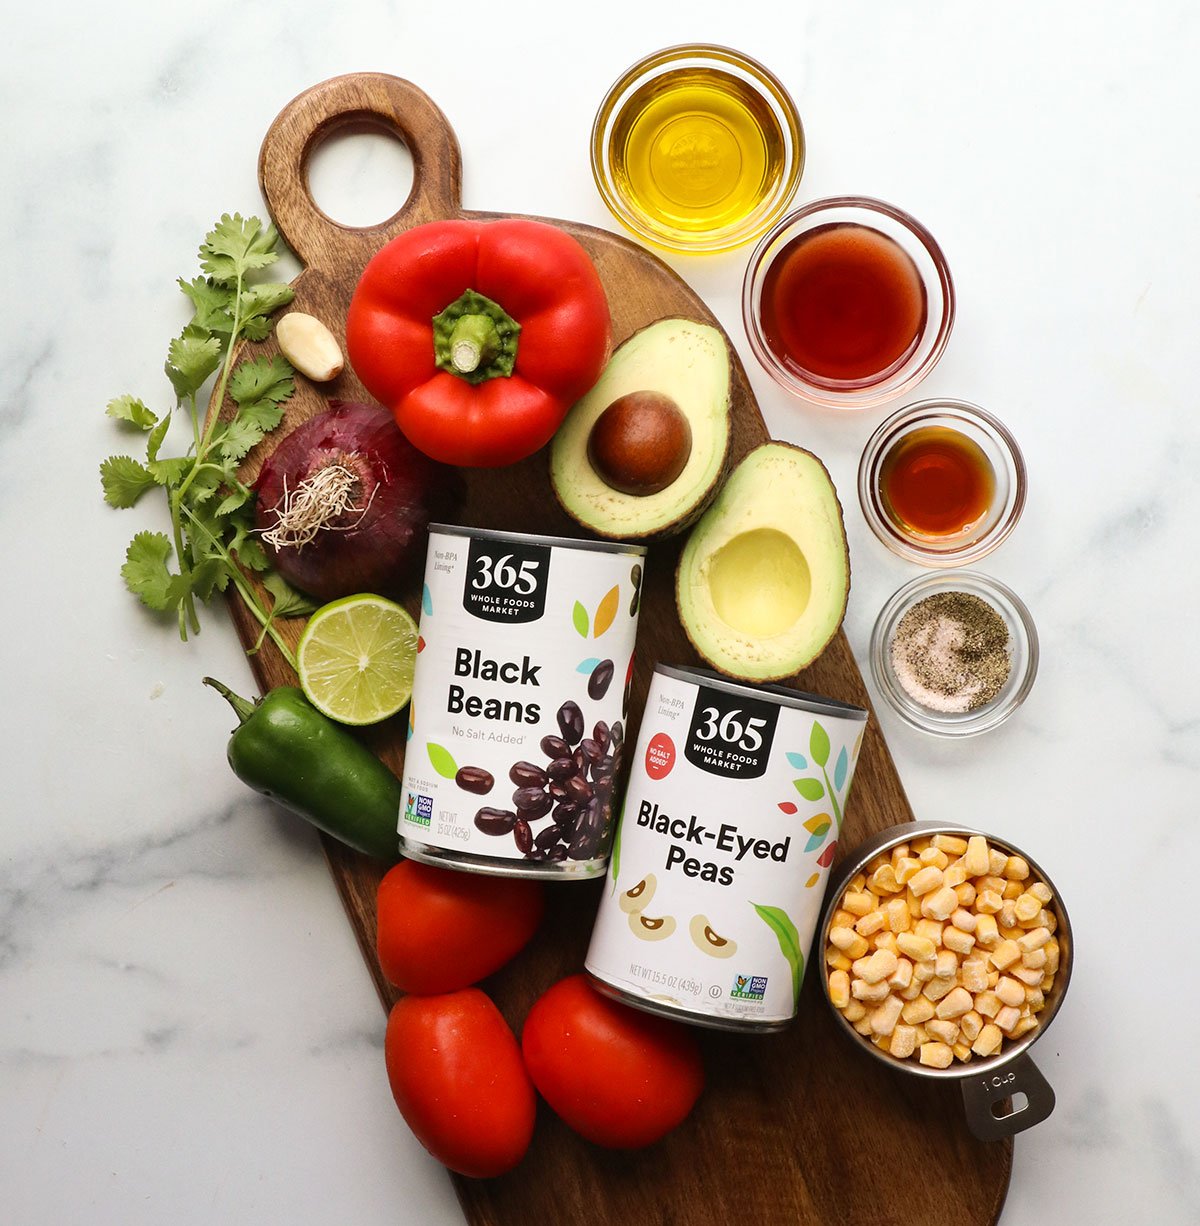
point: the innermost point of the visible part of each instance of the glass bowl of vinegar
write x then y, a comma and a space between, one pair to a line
848, 302
697, 148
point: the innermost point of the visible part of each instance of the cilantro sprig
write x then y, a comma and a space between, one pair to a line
211, 510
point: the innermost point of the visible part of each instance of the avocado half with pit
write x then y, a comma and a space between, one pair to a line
763, 579
643, 452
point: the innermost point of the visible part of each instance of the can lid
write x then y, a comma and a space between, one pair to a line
781, 694
528, 538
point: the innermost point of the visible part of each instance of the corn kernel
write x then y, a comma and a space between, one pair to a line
940, 904
863, 1026
954, 874
989, 1040
991, 884
987, 1003
857, 882
922, 1035
957, 940
919, 845
997, 861
901, 977
936, 1055
974, 974
918, 1010
1052, 956
971, 1023
975, 858
1010, 991
878, 966
848, 941
930, 929
964, 920
966, 893
944, 1030
1035, 999
946, 964
869, 924
1024, 1026
1006, 917
918, 948
988, 902
1042, 892
1048, 920
1027, 907
1036, 938
955, 1004
885, 1017
1034, 958
858, 903
884, 940
927, 880
899, 852
883, 881
1031, 976
906, 869
876, 862
933, 856
869, 993
951, 844
855, 1011
1017, 869
936, 988
1007, 1018
904, 1042
912, 991
842, 918
835, 959
961, 1051
898, 918
923, 972
839, 989
1005, 954
1012, 890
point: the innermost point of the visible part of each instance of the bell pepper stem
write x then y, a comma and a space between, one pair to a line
243, 707
474, 342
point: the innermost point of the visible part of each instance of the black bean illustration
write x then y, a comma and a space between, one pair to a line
532, 803
562, 768
600, 734
495, 821
523, 836
578, 789
557, 854
548, 838
474, 779
570, 721
527, 775
555, 747
599, 681
635, 576
617, 733
591, 750
565, 813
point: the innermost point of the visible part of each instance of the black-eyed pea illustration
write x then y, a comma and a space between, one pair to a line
648, 928
636, 897
708, 940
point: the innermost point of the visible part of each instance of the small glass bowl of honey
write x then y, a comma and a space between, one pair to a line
942, 482
848, 302
697, 148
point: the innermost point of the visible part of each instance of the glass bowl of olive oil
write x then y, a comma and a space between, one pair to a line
697, 148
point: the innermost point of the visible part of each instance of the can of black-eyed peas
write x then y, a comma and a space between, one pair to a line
516, 726
731, 818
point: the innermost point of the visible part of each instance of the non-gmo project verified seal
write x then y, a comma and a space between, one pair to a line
749, 987
418, 809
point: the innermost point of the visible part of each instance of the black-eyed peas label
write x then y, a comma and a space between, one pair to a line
730, 734
506, 580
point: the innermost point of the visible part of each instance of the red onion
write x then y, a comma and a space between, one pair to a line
344, 500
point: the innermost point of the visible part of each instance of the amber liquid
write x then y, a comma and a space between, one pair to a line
697, 150
936, 483
843, 303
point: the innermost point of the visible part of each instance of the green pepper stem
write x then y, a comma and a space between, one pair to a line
242, 706
474, 342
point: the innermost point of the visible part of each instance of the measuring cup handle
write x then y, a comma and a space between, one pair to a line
360, 101
983, 1093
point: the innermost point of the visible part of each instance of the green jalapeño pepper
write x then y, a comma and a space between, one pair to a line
286, 749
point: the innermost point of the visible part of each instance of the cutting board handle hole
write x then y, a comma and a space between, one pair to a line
360, 175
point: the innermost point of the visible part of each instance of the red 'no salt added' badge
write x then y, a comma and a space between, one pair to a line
660, 756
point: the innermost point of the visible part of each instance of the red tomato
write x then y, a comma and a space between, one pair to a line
618, 1077
440, 930
456, 1074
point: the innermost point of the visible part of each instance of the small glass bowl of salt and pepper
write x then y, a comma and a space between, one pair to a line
942, 484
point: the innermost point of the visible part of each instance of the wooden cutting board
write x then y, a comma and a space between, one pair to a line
797, 1127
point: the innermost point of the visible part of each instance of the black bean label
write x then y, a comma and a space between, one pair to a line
731, 734
506, 581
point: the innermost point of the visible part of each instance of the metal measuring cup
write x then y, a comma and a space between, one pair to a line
991, 1085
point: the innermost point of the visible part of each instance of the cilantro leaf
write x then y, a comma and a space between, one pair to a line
192, 357
236, 499
170, 472
262, 378
236, 246
130, 409
208, 576
213, 303
145, 571
288, 601
124, 480
239, 436
263, 299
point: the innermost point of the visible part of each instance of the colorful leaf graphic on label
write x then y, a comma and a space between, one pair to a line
420, 644
825, 859
579, 619
587, 666
839, 771
808, 885
818, 744
818, 827
787, 807
442, 760
606, 611
614, 858
426, 601
412, 720
810, 789
789, 942
798, 761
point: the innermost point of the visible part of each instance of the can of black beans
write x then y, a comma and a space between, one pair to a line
516, 726
731, 820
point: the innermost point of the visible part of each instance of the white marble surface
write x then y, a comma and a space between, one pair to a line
186, 1030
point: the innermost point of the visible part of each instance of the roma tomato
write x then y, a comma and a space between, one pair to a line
456, 1074
618, 1077
441, 930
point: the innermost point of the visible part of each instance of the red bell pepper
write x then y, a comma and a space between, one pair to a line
479, 335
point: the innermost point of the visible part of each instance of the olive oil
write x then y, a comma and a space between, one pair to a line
697, 150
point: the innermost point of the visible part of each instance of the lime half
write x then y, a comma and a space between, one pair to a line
355, 659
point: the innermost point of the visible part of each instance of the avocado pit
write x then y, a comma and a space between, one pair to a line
640, 444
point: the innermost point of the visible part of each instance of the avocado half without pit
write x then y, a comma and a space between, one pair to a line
763, 579
643, 452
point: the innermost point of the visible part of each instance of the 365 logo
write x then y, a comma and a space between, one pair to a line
731, 734
506, 580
